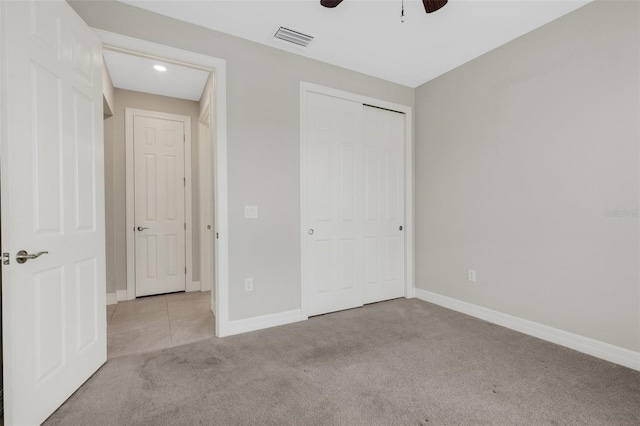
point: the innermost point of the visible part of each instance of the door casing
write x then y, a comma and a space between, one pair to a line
305, 89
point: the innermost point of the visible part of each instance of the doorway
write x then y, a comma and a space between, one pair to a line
217, 216
153, 163
153, 160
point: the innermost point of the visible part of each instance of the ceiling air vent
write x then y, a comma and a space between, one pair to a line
293, 37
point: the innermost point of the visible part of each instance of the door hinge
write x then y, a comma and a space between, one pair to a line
6, 258
185, 226
217, 236
185, 270
185, 181
184, 138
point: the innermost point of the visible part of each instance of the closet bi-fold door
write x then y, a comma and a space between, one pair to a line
384, 253
334, 255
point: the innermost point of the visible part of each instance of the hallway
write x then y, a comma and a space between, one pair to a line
157, 322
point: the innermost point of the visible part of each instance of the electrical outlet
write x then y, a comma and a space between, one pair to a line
250, 212
472, 275
248, 284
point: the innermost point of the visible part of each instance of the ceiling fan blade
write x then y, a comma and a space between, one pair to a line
330, 3
431, 6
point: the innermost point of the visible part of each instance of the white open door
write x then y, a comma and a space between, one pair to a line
54, 320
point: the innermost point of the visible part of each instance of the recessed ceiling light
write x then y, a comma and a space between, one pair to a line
159, 68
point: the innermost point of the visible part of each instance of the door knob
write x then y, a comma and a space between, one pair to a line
311, 231
22, 256
142, 228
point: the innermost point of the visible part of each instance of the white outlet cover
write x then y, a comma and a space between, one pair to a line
248, 284
250, 212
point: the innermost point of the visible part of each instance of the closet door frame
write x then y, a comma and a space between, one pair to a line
305, 89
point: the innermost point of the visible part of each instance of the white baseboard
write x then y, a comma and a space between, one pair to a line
122, 295
596, 348
193, 286
265, 321
112, 298
411, 292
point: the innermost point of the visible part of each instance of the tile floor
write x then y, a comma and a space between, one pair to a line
158, 322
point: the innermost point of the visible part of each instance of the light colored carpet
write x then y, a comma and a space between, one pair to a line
402, 362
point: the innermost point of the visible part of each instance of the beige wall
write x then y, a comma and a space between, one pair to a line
263, 145
520, 154
107, 91
207, 136
108, 106
110, 230
116, 185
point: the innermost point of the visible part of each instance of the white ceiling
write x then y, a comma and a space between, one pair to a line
136, 73
367, 35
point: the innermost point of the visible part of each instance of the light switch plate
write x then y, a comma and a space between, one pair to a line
250, 212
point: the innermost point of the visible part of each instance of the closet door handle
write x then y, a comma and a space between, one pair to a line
311, 231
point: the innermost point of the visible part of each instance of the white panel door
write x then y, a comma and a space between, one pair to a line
333, 174
54, 319
159, 205
383, 205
